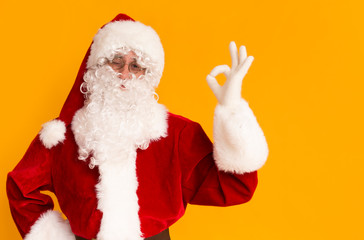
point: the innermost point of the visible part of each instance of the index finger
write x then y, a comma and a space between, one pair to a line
220, 69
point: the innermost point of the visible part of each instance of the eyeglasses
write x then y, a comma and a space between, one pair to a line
119, 62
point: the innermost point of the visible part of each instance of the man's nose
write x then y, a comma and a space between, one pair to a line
124, 73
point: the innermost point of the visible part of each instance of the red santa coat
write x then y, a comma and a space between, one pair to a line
172, 172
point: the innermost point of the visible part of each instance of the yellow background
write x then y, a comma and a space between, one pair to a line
305, 87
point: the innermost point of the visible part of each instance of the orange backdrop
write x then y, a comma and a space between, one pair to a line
305, 87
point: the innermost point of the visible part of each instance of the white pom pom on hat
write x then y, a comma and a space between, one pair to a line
52, 133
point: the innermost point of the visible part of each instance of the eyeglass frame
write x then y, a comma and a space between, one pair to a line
119, 66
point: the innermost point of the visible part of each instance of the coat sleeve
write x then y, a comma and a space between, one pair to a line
24, 183
202, 182
225, 173
31, 209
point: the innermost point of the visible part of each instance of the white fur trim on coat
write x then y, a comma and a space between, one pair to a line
118, 200
52, 133
50, 225
239, 142
130, 34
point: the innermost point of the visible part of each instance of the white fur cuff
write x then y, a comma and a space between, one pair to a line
52, 133
240, 145
50, 225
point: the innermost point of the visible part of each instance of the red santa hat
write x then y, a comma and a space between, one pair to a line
121, 32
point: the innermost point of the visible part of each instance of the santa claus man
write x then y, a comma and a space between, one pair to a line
123, 167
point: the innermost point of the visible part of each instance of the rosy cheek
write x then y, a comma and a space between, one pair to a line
141, 73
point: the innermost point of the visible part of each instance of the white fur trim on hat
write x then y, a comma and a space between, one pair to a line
52, 133
130, 34
239, 142
50, 225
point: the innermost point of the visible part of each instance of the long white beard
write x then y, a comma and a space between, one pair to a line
115, 120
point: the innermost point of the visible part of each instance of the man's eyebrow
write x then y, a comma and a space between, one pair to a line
135, 60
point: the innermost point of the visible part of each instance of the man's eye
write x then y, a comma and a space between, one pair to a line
117, 61
135, 66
